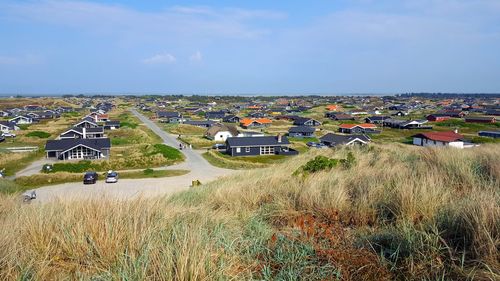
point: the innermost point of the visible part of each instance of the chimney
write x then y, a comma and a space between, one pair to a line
84, 132
279, 137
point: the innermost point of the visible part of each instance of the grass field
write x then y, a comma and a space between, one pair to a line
396, 213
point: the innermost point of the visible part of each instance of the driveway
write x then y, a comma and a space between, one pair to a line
199, 169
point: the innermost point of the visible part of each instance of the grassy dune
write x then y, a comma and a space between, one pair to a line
395, 213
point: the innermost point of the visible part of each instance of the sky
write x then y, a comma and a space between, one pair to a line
249, 47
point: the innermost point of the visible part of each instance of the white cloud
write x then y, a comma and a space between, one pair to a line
196, 56
119, 20
164, 58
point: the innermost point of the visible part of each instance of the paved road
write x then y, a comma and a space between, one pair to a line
199, 169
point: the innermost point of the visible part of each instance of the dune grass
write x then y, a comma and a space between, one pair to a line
395, 213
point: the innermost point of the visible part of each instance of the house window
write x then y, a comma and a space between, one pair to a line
266, 150
247, 149
238, 149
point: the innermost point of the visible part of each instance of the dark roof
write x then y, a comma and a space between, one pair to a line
65, 144
167, 114
257, 141
196, 123
302, 120
112, 123
302, 129
381, 118
335, 139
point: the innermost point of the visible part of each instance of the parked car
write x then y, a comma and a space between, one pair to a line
90, 178
111, 177
2, 138
219, 146
316, 145
8, 135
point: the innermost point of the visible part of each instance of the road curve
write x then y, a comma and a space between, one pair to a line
199, 169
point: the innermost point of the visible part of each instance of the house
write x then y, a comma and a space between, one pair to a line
169, 117
454, 113
220, 132
4, 113
21, 120
255, 123
83, 133
250, 134
365, 128
406, 124
253, 146
451, 139
203, 124
111, 125
358, 112
400, 113
340, 116
68, 149
6, 126
231, 119
438, 117
87, 122
301, 132
333, 140
215, 115
483, 119
491, 134
301, 121
332, 107
376, 119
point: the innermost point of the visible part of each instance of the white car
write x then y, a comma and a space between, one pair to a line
8, 135
112, 177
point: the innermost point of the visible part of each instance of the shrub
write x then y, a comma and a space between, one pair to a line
128, 124
319, 163
38, 134
167, 151
149, 171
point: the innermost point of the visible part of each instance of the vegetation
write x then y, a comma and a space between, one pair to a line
14, 162
27, 182
38, 134
244, 162
395, 212
183, 129
147, 156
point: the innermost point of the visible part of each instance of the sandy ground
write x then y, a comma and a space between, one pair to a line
199, 169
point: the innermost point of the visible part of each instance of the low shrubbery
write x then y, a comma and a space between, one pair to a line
38, 134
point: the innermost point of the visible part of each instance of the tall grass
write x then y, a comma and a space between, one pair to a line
398, 212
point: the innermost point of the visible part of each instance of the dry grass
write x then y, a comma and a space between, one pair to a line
404, 212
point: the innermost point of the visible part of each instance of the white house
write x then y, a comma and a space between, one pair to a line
21, 120
437, 139
220, 132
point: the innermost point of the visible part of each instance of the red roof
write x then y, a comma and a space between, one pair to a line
364, 126
441, 136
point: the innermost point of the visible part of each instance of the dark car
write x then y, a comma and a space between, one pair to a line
90, 178
219, 146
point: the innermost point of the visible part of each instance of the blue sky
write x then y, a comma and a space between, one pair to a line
259, 46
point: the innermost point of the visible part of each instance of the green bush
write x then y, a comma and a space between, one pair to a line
79, 167
149, 171
319, 163
128, 124
38, 134
167, 151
